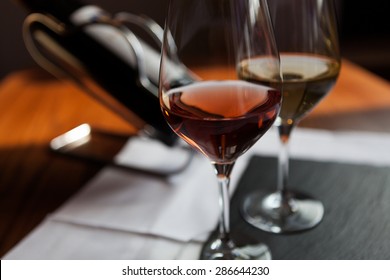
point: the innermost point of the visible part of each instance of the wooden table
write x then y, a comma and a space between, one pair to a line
359, 101
35, 108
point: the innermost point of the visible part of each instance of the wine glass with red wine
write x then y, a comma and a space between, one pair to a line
214, 111
306, 36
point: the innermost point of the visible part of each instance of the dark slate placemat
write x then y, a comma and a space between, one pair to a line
356, 224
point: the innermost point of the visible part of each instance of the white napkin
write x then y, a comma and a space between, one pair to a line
151, 155
185, 207
324, 145
132, 216
59, 240
181, 207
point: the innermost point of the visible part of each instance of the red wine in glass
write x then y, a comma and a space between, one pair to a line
216, 112
221, 119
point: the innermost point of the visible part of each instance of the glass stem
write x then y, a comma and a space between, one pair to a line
223, 175
283, 160
283, 167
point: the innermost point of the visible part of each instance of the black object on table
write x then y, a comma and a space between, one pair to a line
356, 197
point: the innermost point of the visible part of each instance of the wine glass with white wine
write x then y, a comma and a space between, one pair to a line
306, 35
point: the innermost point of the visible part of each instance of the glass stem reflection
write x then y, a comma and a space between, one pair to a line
223, 175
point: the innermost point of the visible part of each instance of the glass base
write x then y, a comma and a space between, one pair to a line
220, 250
270, 213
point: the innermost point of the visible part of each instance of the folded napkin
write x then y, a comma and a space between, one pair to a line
185, 206
54, 240
324, 145
180, 207
128, 215
153, 157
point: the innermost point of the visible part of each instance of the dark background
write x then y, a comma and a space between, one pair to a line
364, 31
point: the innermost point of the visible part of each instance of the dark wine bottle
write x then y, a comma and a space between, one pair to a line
109, 62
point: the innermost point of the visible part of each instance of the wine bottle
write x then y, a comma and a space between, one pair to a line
108, 59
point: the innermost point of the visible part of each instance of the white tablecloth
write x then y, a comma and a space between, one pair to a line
125, 215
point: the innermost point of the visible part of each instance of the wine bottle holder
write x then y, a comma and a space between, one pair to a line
40, 32
52, 58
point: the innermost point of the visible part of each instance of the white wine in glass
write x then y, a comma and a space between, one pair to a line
306, 35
